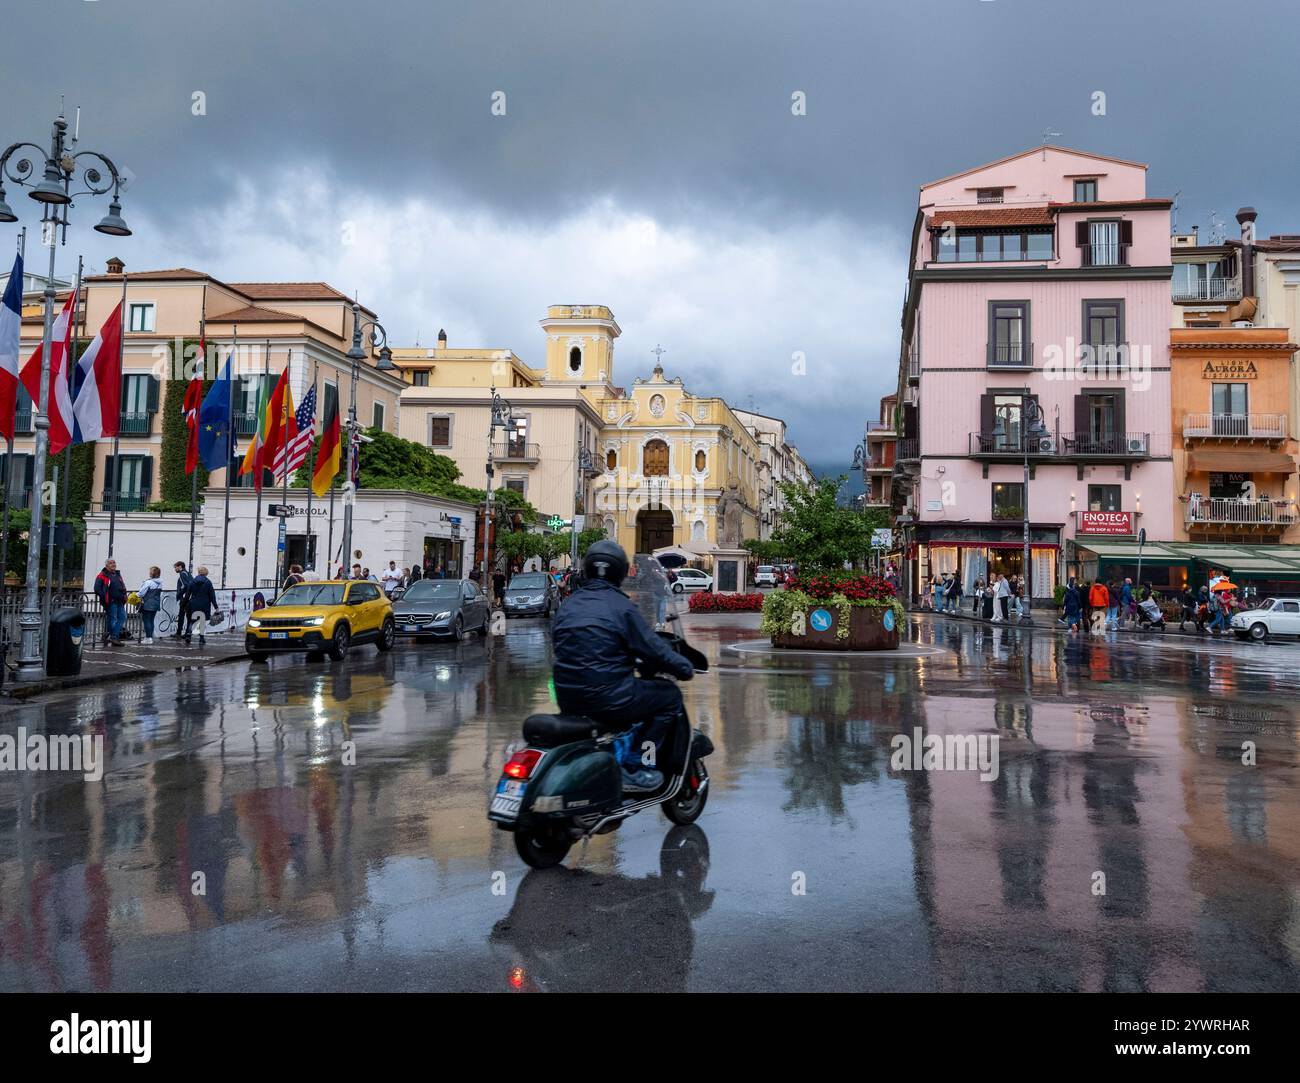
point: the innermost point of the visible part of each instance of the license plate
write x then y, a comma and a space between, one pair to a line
505, 806
279, 635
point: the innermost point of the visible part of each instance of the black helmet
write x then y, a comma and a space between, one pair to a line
605, 560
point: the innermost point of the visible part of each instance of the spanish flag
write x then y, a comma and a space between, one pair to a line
277, 429
327, 455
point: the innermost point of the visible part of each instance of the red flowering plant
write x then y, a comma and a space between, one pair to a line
855, 586
705, 601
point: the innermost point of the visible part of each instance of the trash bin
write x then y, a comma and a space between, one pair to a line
63, 648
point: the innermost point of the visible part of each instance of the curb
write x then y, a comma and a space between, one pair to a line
15, 692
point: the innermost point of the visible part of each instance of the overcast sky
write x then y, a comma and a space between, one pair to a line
648, 158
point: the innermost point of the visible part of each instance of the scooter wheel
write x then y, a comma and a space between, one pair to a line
542, 849
686, 807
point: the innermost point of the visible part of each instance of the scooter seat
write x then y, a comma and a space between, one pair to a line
550, 730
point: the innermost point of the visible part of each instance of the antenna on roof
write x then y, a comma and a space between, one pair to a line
1216, 228
1173, 213
1048, 136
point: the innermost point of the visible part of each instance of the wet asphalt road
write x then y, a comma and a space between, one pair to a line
1119, 756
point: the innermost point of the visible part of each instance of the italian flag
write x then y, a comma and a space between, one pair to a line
277, 427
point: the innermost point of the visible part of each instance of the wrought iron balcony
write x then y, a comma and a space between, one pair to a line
23, 422
1011, 355
1208, 289
135, 423
1104, 255
1235, 426
136, 500
246, 424
517, 451
1234, 511
1066, 445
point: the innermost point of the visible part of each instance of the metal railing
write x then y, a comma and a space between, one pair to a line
909, 448
1012, 355
1066, 445
1238, 426
1105, 255
23, 422
246, 424
517, 451
1235, 511
136, 501
914, 364
135, 423
1208, 289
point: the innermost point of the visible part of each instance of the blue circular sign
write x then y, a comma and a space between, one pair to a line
888, 622
821, 620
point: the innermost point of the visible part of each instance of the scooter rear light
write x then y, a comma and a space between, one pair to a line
521, 764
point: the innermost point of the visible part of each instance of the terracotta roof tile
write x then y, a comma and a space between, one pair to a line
176, 274
289, 291
991, 216
257, 314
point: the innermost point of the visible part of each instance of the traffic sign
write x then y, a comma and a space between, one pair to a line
276, 511
882, 538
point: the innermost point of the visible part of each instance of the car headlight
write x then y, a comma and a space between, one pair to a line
254, 623
442, 616
314, 621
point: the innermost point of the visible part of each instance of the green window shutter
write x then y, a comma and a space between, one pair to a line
146, 476
152, 394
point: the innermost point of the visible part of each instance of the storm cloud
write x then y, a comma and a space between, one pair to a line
648, 157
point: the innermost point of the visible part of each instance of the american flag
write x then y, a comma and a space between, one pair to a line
301, 444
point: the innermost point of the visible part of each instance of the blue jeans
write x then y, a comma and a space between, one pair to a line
115, 618
1112, 615
1220, 620
148, 615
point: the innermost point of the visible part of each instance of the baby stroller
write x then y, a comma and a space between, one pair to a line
1149, 615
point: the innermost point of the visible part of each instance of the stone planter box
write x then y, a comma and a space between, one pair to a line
869, 630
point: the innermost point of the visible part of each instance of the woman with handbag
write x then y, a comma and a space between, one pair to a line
150, 594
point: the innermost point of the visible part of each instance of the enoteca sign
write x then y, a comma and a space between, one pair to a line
1105, 522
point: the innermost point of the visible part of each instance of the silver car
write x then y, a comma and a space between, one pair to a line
448, 608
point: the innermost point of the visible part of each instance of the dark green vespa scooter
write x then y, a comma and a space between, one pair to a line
566, 784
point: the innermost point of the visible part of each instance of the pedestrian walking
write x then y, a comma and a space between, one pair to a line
203, 600
1128, 601
150, 593
184, 581
111, 592
1002, 600
1073, 606
499, 587
293, 578
977, 597
417, 573
1187, 610
392, 578
1099, 603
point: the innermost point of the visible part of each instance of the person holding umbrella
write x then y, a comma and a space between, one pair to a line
1220, 603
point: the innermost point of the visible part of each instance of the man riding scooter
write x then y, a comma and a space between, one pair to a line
597, 636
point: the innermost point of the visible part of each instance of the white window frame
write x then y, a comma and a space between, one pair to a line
149, 308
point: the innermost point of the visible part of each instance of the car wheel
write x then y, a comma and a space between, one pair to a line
339, 644
1259, 631
387, 635
678, 588
458, 629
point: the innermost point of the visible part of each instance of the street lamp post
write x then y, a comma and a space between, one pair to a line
1032, 434
502, 418
378, 337
585, 465
63, 165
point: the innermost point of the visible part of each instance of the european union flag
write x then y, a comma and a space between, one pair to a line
216, 441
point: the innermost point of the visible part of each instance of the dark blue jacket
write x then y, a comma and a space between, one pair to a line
203, 596
597, 636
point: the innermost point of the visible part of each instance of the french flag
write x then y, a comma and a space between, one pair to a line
11, 325
60, 400
98, 381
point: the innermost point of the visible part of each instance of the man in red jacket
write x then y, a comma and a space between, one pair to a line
110, 589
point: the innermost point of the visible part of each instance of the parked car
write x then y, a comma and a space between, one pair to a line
1272, 616
447, 608
765, 576
531, 594
328, 616
692, 579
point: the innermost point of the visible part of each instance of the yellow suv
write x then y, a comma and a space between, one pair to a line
322, 617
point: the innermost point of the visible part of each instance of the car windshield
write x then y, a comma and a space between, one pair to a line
432, 588
1267, 603
764, 568
531, 581
312, 594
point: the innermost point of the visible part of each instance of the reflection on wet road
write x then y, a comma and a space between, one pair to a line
1122, 758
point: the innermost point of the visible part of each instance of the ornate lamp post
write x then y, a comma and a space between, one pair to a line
1034, 431
378, 337
62, 169
502, 418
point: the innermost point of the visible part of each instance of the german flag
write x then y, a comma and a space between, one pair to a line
327, 455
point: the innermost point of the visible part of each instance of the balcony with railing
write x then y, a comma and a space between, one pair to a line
909, 450
135, 423
1011, 355
913, 365
1235, 426
1208, 289
1066, 446
23, 423
246, 424
1261, 514
1108, 254
127, 500
517, 451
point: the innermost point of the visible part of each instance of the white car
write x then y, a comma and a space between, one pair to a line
1272, 617
692, 579
765, 576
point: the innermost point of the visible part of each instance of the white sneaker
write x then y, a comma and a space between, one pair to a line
150, 641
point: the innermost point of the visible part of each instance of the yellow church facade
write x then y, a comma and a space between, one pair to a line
666, 466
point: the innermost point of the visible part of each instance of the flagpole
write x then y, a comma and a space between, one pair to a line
257, 465
329, 547
67, 454
194, 477
282, 557
230, 446
117, 463
311, 476
9, 442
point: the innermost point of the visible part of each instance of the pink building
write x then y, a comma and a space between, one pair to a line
1036, 328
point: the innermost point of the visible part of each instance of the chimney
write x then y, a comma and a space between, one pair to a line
442, 339
1246, 219
115, 266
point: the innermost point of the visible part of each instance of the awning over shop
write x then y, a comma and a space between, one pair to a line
1155, 553
1217, 461
1256, 561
